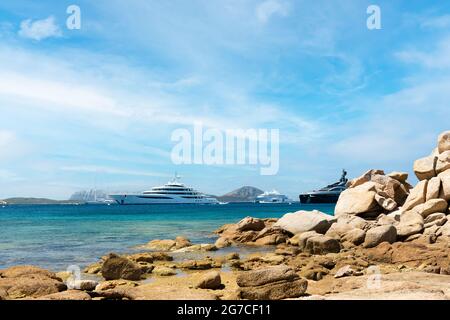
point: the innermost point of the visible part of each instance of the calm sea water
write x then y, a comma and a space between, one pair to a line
56, 236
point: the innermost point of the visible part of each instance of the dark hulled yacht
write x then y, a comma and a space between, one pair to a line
328, 194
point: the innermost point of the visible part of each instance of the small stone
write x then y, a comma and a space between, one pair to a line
210, 280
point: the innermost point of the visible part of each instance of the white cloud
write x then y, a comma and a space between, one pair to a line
269, 8
111, 170
39, 29
437, 58
439, 22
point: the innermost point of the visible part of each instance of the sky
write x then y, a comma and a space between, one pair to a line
95, 107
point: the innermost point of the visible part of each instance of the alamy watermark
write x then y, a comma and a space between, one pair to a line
259, 147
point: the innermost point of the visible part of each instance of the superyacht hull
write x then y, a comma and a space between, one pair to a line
141, 199
319, 198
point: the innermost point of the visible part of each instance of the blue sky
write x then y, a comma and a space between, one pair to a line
96, 107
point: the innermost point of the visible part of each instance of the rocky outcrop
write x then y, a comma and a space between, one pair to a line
373, 193
67, 295
272, 283
117, 267
210, 280
322, 244
28, 282
303, 221
380, 234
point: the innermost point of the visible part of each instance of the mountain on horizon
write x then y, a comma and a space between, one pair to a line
243, 194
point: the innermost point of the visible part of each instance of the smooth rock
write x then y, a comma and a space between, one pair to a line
424, 168
29, 286
433, 206
444, 142
445, 188
346, 271
302, 221
250, 224
355, 236
433, 188
301, 238
356, 201
163, 271
380, 234
267, 275
67, 295
275, 291
443, 162
322, 244
161, 245
410, 223
210, 280
417, 196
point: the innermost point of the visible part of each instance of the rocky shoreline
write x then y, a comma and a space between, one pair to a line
387, 240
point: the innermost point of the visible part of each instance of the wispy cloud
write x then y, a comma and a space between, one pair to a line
270, 8
437, 22
438, 57
39, 29
112, 171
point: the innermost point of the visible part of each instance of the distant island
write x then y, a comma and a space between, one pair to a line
33, 201
243, 194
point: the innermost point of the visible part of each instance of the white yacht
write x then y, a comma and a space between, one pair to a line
272, 197
173, 192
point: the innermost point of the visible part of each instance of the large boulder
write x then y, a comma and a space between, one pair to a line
386, 203
380, 234
417, 196
210, 280
399, 176
443, 162
117, 267
302, 221
424, 168
431, 206
444, 142
365, 177
410, 223
322, 244
390, 188
271, 283
359, 201
300, 238
67, 295
445, 188
433, 188
250, 224
29, 286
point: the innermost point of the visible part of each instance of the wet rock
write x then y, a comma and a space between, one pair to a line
29, 286
67, 295
117, 267
380, 234
210, 280
163, 271
182, 242
161, 245
112, 284
150, 257
303, 221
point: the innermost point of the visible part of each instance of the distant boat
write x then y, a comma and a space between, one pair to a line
272, 197
328, 194
172, 192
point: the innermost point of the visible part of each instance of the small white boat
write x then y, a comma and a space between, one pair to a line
272, 197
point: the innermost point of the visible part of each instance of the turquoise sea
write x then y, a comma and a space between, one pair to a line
56, 236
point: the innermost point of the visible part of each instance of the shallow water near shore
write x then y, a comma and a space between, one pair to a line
56, 236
